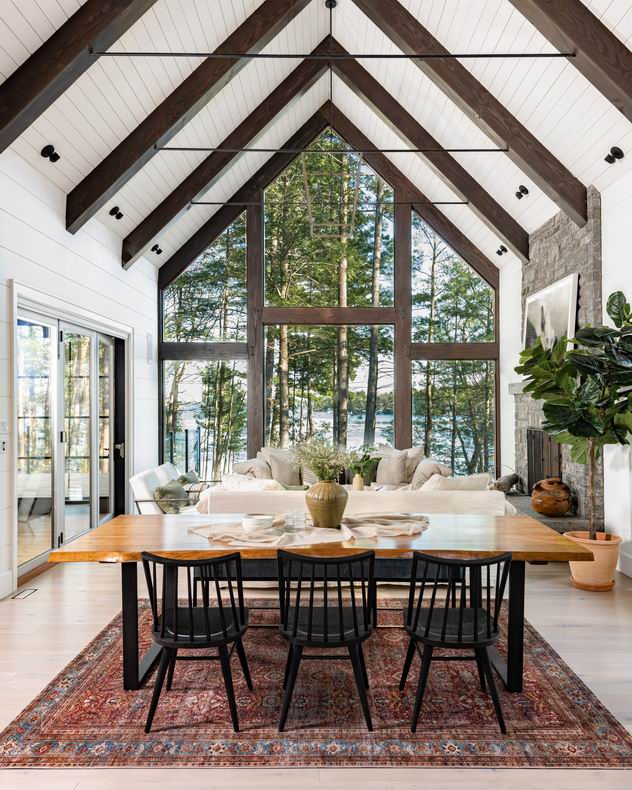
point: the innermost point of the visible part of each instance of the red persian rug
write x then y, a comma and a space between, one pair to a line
85, 719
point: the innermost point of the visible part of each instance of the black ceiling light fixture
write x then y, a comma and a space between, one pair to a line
522, 192
615, 154
501, 250
116, 212
48, 152
156, 249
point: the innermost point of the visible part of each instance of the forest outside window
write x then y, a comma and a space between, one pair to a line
335, 382
454, 406
328, 231
207, 302
451, 302
205, 415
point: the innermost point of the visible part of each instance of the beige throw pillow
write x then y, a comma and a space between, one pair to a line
282, 464
438, 482
254, 467
426, 468
392, 469
413, 456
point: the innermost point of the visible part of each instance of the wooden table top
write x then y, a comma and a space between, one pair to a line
124, 538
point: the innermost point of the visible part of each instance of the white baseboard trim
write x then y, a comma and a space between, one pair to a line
6, 584
625, 563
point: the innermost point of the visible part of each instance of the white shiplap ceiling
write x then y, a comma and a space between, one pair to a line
548, 96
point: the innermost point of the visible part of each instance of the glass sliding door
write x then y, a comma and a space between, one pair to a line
66, 434
78, 362
106, 427
36, 431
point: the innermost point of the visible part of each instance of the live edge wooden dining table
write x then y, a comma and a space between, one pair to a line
122, 539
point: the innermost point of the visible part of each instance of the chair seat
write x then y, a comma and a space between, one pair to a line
234, 628
334, 637
465, 617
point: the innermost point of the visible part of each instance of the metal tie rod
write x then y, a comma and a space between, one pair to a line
220, 149
333, 56
303, 203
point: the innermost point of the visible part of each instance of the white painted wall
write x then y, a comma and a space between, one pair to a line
84, 270
616, 208
510, 347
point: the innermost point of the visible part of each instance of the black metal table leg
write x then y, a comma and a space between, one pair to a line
134, 671
510, 672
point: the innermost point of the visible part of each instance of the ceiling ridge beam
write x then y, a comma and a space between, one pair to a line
295, 85
62, 59
438, 221
400, 121
480, 106
172, 114
207, 233
599, 55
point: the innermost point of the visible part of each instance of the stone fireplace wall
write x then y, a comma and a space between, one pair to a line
560, 248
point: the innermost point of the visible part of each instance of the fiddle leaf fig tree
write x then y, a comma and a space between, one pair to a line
586, 386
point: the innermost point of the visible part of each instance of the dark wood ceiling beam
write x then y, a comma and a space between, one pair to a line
211, 169
211, 229
444, 165
431, 214
599, 55
61, 59
480, 106
177, 110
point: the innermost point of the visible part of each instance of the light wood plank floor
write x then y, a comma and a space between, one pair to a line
39, 635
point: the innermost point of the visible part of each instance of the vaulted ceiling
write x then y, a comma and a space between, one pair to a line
108, 117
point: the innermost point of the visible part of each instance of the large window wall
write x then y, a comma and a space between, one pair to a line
330, 307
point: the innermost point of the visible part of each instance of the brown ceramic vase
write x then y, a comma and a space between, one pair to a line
326, 502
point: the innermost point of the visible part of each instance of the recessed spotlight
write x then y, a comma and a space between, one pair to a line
615, 154
48, 152
522, 192
116, 212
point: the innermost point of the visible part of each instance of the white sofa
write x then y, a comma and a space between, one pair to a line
144, 484
493, 503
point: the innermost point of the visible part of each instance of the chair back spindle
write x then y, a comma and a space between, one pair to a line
180, 622
441, 610
326, 600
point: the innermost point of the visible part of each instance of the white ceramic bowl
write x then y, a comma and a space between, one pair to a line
252, 523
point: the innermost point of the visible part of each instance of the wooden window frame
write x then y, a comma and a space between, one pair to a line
398, 316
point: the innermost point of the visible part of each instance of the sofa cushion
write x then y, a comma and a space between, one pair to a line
425, 469
247, 483
283, 465
171, 497
413, 456
254, 467
391, 469
438, 482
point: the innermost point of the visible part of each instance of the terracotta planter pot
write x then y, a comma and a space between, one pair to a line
597, 576
326, 502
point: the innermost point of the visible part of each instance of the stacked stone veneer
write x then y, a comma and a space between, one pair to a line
560, 248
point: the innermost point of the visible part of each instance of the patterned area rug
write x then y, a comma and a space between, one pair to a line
84, 718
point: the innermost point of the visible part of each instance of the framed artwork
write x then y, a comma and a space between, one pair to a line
551, 313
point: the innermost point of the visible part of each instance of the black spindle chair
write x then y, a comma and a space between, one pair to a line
443, 613
178, 626
326, 603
